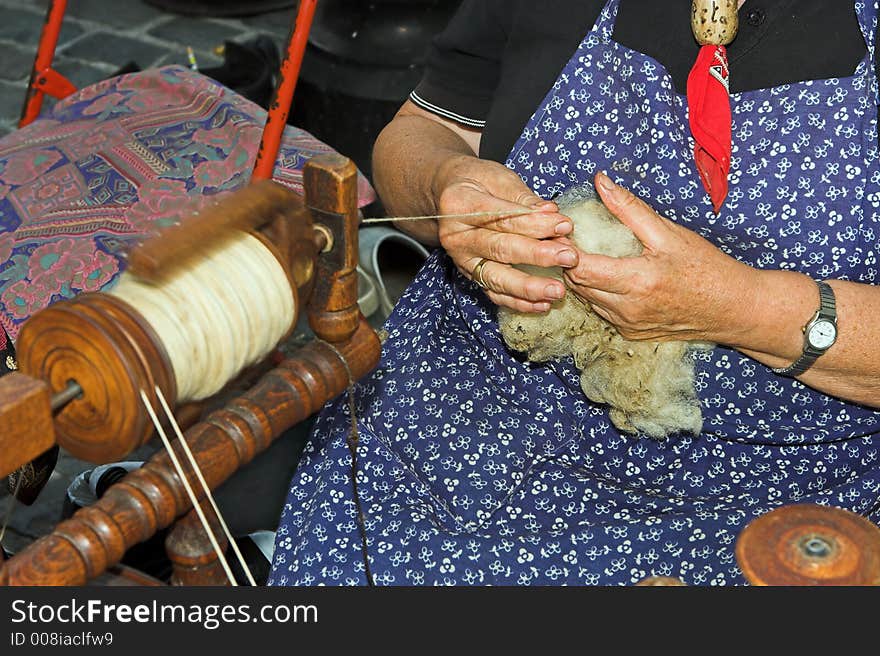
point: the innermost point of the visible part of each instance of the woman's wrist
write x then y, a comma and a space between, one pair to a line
442, 173
446, 172
769, 315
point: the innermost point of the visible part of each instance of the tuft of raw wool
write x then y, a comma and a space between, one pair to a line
649, 386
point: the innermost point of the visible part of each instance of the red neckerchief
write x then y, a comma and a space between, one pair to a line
708, 94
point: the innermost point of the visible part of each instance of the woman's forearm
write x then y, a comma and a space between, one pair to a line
409, 157
426, 165
768, 327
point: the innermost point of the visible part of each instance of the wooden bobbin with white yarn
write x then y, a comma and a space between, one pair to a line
188, 334
217, 314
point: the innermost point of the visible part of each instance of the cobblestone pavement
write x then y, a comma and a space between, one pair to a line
99, 37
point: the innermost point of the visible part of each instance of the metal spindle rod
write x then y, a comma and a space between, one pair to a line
65, 396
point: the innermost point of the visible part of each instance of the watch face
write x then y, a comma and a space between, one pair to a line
822, 334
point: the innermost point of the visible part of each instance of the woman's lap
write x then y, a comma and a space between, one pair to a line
476, 467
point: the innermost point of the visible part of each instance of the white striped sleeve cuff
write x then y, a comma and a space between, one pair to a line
445, 113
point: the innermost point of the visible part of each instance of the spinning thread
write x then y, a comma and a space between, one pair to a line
193, 499
205, 487
471, 215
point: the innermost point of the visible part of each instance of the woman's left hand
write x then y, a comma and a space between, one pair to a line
680, 288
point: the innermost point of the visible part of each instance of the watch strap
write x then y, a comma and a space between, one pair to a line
827, 310
799, 366
827, 304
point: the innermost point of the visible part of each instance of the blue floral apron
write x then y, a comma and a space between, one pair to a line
478, 468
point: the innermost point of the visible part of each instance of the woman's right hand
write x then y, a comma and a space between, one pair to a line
465, 185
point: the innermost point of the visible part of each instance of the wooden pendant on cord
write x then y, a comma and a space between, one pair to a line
714, 22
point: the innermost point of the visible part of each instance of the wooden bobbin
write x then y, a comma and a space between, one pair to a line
714, 22
808, 544
105, 347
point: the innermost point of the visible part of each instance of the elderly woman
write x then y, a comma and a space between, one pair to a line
474, 467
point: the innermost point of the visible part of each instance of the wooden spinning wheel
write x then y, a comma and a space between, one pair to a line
84, 364
199, 306
91, 357
104, 351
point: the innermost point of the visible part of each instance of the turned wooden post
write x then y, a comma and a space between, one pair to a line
191, 553
331, 195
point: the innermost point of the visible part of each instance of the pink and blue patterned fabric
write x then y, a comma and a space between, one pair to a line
114, 163
478, 468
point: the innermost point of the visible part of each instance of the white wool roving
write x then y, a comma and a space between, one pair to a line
649, 386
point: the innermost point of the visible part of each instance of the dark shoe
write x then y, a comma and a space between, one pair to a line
249, 69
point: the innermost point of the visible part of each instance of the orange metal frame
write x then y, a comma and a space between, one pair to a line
46, 80
287, 79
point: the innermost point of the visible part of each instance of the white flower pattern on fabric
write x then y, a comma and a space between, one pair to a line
477, 468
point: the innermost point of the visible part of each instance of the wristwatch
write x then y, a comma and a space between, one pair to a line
820, 333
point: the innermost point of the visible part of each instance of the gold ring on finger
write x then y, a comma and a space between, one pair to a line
477, 275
